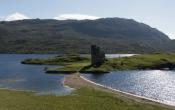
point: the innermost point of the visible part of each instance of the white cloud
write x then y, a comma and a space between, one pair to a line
75, 17
16, 16
171, 36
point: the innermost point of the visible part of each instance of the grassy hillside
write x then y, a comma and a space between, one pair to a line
83, 99
114, 35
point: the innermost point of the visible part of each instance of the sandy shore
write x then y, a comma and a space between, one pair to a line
76, 81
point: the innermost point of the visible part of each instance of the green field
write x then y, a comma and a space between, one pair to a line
81, 99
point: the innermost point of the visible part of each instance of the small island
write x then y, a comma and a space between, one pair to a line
99, 64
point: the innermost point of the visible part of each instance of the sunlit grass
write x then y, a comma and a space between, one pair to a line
82, 99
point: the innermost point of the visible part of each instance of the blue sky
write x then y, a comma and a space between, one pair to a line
156, 13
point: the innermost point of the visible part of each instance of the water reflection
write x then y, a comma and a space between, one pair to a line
155, 84
111, 55
119, 55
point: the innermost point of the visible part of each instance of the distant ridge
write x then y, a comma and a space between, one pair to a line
115, 35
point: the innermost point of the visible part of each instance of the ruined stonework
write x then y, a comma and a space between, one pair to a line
97, 55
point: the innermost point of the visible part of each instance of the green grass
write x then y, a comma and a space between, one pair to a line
137, 62
145, 61
69, 68
70, 63
58, 60
83, 99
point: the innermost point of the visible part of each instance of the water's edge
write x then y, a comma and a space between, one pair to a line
128, 94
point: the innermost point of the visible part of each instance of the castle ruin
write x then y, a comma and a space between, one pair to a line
97, 56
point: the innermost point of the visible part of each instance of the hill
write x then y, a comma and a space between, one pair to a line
114, 35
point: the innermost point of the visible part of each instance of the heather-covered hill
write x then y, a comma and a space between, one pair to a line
115, 35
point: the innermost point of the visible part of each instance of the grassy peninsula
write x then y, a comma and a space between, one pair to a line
57, 60
76, 63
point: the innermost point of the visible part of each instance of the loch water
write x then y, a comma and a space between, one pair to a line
14, 75
158, 85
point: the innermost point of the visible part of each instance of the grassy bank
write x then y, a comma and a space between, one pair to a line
82, 64
85, 99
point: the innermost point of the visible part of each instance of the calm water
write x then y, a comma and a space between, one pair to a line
111, 55
118, 55
154, 84
14, 75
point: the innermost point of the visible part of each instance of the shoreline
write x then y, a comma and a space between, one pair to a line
77, 81
10, 89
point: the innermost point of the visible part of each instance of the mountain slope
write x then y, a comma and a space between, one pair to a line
115, 35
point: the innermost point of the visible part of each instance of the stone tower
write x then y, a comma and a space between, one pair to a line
97, 55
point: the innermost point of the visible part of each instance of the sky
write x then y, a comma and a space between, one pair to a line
159, 14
